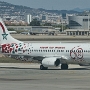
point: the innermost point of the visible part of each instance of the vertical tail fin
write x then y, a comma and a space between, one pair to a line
5, 37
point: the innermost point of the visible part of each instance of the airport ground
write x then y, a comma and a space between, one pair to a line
49, 37
28, 76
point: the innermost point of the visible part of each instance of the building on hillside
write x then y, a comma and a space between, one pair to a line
29, 18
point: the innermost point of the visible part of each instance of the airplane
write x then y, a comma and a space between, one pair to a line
48, 54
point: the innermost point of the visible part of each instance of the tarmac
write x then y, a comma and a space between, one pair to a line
48, 37
27, 76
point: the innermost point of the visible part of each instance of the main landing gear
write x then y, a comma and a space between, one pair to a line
43, 68
63, 67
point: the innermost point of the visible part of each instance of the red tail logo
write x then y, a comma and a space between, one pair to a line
4, 33
2, 27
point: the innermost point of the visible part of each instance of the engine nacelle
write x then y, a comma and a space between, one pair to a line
52, 61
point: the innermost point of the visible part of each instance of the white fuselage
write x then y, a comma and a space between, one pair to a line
75, 53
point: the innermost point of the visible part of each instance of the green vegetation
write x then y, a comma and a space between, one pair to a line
35, 22
47, 24
10, 60
11, 29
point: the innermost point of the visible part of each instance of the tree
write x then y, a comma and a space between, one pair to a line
35, 22
47, 24
11, 29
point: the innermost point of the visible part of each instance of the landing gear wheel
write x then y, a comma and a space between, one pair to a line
64, 66
43, 68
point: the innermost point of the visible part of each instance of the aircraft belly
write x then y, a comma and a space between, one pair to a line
84, 60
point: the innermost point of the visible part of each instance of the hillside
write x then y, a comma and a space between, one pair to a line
10, 9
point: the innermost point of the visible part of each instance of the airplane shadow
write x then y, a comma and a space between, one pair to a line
19, 68
72, 69
44, 70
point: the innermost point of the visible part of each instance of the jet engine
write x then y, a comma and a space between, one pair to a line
50, 62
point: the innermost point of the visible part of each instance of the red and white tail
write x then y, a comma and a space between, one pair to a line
5, 37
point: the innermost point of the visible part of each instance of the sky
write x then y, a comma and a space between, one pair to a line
52, 4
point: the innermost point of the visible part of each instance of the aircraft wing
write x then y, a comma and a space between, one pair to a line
62, 58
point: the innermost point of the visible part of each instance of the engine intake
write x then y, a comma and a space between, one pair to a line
57, 62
